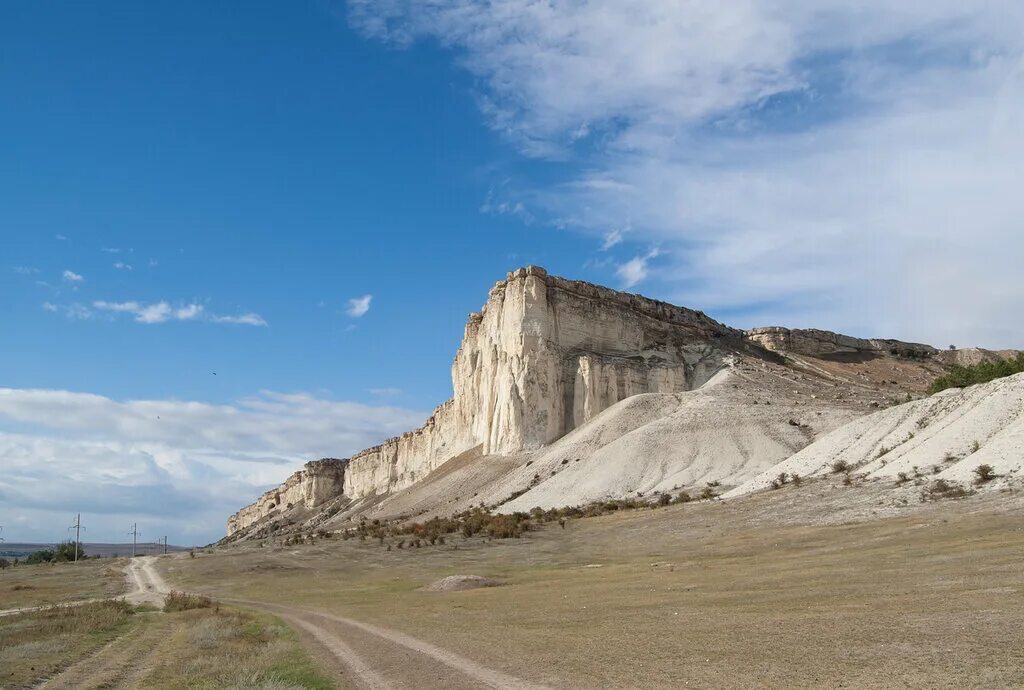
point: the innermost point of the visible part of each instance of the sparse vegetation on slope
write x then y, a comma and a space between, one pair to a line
961, 376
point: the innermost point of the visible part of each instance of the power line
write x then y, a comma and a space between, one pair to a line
135, 536
78, 533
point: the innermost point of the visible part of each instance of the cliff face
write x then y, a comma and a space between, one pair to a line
811, 341
316, 483
543, 356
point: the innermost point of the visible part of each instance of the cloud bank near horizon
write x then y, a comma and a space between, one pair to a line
176, 467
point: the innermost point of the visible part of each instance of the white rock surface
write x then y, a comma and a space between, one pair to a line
316, 483
955, 431
542, 357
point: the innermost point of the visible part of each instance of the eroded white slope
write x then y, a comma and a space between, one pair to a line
954, 431
723, 432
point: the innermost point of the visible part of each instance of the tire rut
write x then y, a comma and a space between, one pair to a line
402, 661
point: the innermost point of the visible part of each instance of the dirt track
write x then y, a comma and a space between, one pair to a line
360, 655
375, 657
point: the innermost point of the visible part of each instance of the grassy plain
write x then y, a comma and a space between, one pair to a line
59, 583
733, 594
111, 643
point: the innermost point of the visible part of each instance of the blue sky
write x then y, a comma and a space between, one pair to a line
197, 188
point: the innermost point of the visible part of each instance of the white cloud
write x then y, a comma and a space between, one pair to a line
161, 312
111, 250
50, 306
242, 319
60, 238
180, 467
25, 270
72, 277
611, 238
636, 269
122, 266
358, 306
830, 163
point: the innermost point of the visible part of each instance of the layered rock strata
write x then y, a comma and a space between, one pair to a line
542, 356
814, 342
316, 483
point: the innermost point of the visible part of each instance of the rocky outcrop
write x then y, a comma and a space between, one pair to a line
316, 483
543, 356
813, 342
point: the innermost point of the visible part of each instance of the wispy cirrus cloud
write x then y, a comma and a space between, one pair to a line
800, 162
162, 312
358, 306
636, 270
250, 319
72, 277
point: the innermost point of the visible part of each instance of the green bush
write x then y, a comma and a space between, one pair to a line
961, 376
41, 556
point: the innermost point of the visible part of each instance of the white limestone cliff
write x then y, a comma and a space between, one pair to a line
543, 356
316, 483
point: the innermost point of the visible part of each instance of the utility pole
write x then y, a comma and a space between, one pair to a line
78, 533
165, 544
135, 536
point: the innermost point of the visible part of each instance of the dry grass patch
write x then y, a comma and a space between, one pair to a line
37, 645
182, 601
56, 583
224, 648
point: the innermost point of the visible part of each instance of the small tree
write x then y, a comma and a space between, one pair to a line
984, 473
4, 564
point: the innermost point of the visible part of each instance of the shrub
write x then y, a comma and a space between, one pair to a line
664, 500
840, 466
983, 372
901, 478
975, 447
683, 497
847, 480
942, 488
4, 564
181, 601
41, 556
708, 493
797, 480
65, 551
984, 473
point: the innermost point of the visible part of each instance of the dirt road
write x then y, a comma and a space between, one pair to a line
369, 656
146, 586
359, 655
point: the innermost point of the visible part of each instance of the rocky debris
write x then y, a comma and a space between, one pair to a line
460, 583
